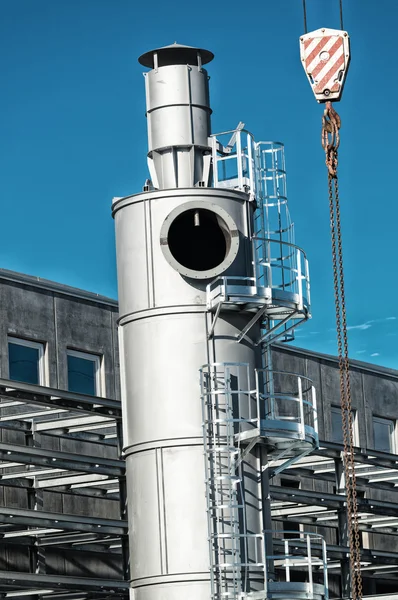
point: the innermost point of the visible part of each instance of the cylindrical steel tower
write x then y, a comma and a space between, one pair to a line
194, 290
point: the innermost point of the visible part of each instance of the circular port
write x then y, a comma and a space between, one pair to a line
324, 56
199, 240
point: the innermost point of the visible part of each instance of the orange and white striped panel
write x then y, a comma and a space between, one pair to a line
325, 57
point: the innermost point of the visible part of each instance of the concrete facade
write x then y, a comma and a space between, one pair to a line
60, 318
374, 389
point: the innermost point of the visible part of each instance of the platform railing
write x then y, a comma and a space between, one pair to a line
234, 160
279, 266
272, 217
231, 399
299, 550
279, 291
288, 398
283, 267
231, 289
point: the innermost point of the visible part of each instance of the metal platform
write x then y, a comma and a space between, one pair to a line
281, 590
274, 301
277, 410
282, 438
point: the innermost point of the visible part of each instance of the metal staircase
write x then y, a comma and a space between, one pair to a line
246, 409
223, 387
278, 292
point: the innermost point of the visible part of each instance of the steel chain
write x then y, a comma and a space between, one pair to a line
351, 456
330, 141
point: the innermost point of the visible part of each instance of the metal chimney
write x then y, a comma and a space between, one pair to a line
178, 114
206, 282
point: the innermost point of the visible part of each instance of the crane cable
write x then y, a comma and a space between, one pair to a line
305, 15
330, 142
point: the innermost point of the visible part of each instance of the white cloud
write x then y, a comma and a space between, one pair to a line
375, 354
369, 324
360, 351
362, 326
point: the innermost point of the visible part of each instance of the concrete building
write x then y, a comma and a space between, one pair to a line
58, 343
62, 489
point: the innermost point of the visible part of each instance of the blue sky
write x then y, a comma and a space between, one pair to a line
73, 135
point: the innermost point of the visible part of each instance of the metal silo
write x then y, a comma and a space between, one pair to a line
208, 276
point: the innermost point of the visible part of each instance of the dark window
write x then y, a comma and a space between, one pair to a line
288, 526
383, 434
25, 361
337, 425
83, 373
290, 483
290, 529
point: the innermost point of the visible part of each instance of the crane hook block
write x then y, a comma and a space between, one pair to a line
325, 55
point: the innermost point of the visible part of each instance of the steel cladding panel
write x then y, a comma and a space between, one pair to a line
163, 355
144, 511
178, 110
176, 85
185, 510
174, 590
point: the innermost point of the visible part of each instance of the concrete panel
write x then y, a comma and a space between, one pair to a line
17, 558
381, 400
313, 371
28, 313
88, 327
85, 564
330, 390
52, 501
75, 504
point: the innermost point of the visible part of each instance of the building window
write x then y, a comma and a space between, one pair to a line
383, 434
337, 426
84, 373
25, 361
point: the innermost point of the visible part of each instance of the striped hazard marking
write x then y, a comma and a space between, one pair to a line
323, 61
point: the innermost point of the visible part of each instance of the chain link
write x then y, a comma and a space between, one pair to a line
330, 142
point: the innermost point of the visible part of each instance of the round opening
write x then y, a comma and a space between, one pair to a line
199, 242
199, 239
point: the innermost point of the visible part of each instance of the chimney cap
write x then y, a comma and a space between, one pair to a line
175, 54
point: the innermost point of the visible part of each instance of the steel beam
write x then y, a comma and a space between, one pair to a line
41, 395
60, 582
64, 460
335, 501
35, 518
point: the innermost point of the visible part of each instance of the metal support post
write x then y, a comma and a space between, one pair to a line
37, 558
266, 512
123, 506
345, 576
